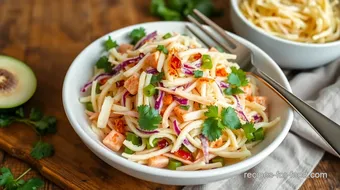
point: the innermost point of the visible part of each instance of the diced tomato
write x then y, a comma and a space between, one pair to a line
162, 143
103, 81
183, 154
195, 57
221, 72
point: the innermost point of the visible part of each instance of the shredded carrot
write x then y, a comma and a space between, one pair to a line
167, 100
195, 57
221, 72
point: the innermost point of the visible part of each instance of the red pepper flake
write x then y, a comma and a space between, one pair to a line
162, 143
183, 154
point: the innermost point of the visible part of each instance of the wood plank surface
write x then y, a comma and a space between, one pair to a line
48, 35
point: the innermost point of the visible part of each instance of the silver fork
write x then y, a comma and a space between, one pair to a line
326, 128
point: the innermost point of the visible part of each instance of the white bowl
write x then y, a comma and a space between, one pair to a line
81, 70
288, 54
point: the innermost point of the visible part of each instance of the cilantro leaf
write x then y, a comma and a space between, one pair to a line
198, 74
109, 44
237, 77
103, 63
36, 114
233, 90
137, 34
20, 112
5, 120
149, 118
212, 112
230, 118
211, 129
156, 78
251, 133
163, 49
42, 150
47, 125
32, 184
6, 176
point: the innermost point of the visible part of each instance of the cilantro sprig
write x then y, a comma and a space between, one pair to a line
156, 78
42, 125
237, 78
109, 44
7, 181
149, 118
251, 133
215, 123
103, 63
137, 34
163, 49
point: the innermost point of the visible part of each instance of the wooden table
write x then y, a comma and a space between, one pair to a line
42, 31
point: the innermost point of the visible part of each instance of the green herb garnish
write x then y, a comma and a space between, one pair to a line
162, 49
178, 9
149, 118
198, 74
103, 63
237, 78
41, 124
215, 123
137, 34
186, 107
167, 35
251, 133
42, 150
109, 44
156, 78
7, 181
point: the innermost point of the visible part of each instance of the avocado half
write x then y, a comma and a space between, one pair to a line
17, 82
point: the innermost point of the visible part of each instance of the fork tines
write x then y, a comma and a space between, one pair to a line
232, 43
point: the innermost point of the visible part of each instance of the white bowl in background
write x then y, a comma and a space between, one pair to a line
81, 70
288, 54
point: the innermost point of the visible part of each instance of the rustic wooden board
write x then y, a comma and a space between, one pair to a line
48, 35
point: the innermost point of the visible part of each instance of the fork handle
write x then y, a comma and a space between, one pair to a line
325, 127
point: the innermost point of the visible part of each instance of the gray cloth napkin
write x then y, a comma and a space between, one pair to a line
295, 156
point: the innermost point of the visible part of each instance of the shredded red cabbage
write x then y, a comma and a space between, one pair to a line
224, 85
151, 71
197, 63
181, 101
122, 65
98, 77
188, 66
147, 132
187, 71
257, 118
159, 100
205, 147
240, 110
185, 141
145, 39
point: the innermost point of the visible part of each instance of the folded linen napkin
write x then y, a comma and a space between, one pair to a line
296, 155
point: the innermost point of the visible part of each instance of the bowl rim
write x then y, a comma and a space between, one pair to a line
118, 159
236, 8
